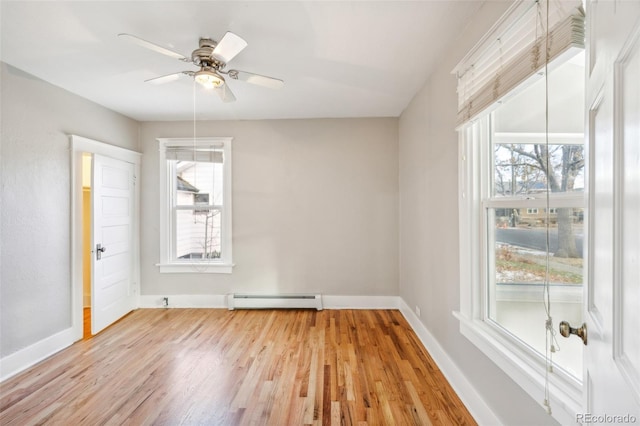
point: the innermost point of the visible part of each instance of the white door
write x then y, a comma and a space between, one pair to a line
112, 295
612, 356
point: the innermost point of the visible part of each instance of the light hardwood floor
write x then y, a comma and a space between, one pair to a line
220, 367
86, 323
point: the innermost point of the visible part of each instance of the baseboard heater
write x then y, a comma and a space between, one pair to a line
274, 301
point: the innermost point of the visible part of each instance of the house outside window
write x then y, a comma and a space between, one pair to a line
195, 205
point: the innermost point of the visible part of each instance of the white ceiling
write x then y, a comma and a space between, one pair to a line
337, 58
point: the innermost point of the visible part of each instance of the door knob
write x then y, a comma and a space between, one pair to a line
566, 330
99, 251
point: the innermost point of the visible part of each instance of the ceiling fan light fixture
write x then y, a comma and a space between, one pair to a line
211, 58
209, 79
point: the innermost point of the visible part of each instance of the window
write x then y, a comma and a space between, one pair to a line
195, 205
521, 175
504, 241
518, 230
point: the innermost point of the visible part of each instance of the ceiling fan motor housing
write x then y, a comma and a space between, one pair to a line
203, 55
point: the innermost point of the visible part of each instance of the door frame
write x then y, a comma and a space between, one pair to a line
80, 145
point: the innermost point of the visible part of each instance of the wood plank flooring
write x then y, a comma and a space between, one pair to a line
86, 323
245, 367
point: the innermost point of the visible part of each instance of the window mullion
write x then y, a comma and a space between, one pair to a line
524, 203
573, 201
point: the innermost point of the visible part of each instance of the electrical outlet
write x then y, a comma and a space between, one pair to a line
417, 310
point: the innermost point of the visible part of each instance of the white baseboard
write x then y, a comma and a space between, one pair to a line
470, 397
19, 361
220, 301
360, 302
184, 301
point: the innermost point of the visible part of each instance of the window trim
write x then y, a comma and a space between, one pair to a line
167, 236
520, 363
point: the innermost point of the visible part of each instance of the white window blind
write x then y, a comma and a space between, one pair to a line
514, 50
209, 153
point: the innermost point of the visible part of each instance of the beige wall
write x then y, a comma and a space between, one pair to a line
429, 227
35, 239
315, 207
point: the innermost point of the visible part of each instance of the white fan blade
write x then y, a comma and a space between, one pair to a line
260, 80
152, 46
165, 78
225, 93
227, 48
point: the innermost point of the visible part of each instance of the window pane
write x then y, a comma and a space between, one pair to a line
198, 234
533, 116
198, 183
518, 270
521, 169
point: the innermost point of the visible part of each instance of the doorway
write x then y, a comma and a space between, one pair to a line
103, 180
86, 245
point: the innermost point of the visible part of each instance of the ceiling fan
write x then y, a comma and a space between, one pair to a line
212, 58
